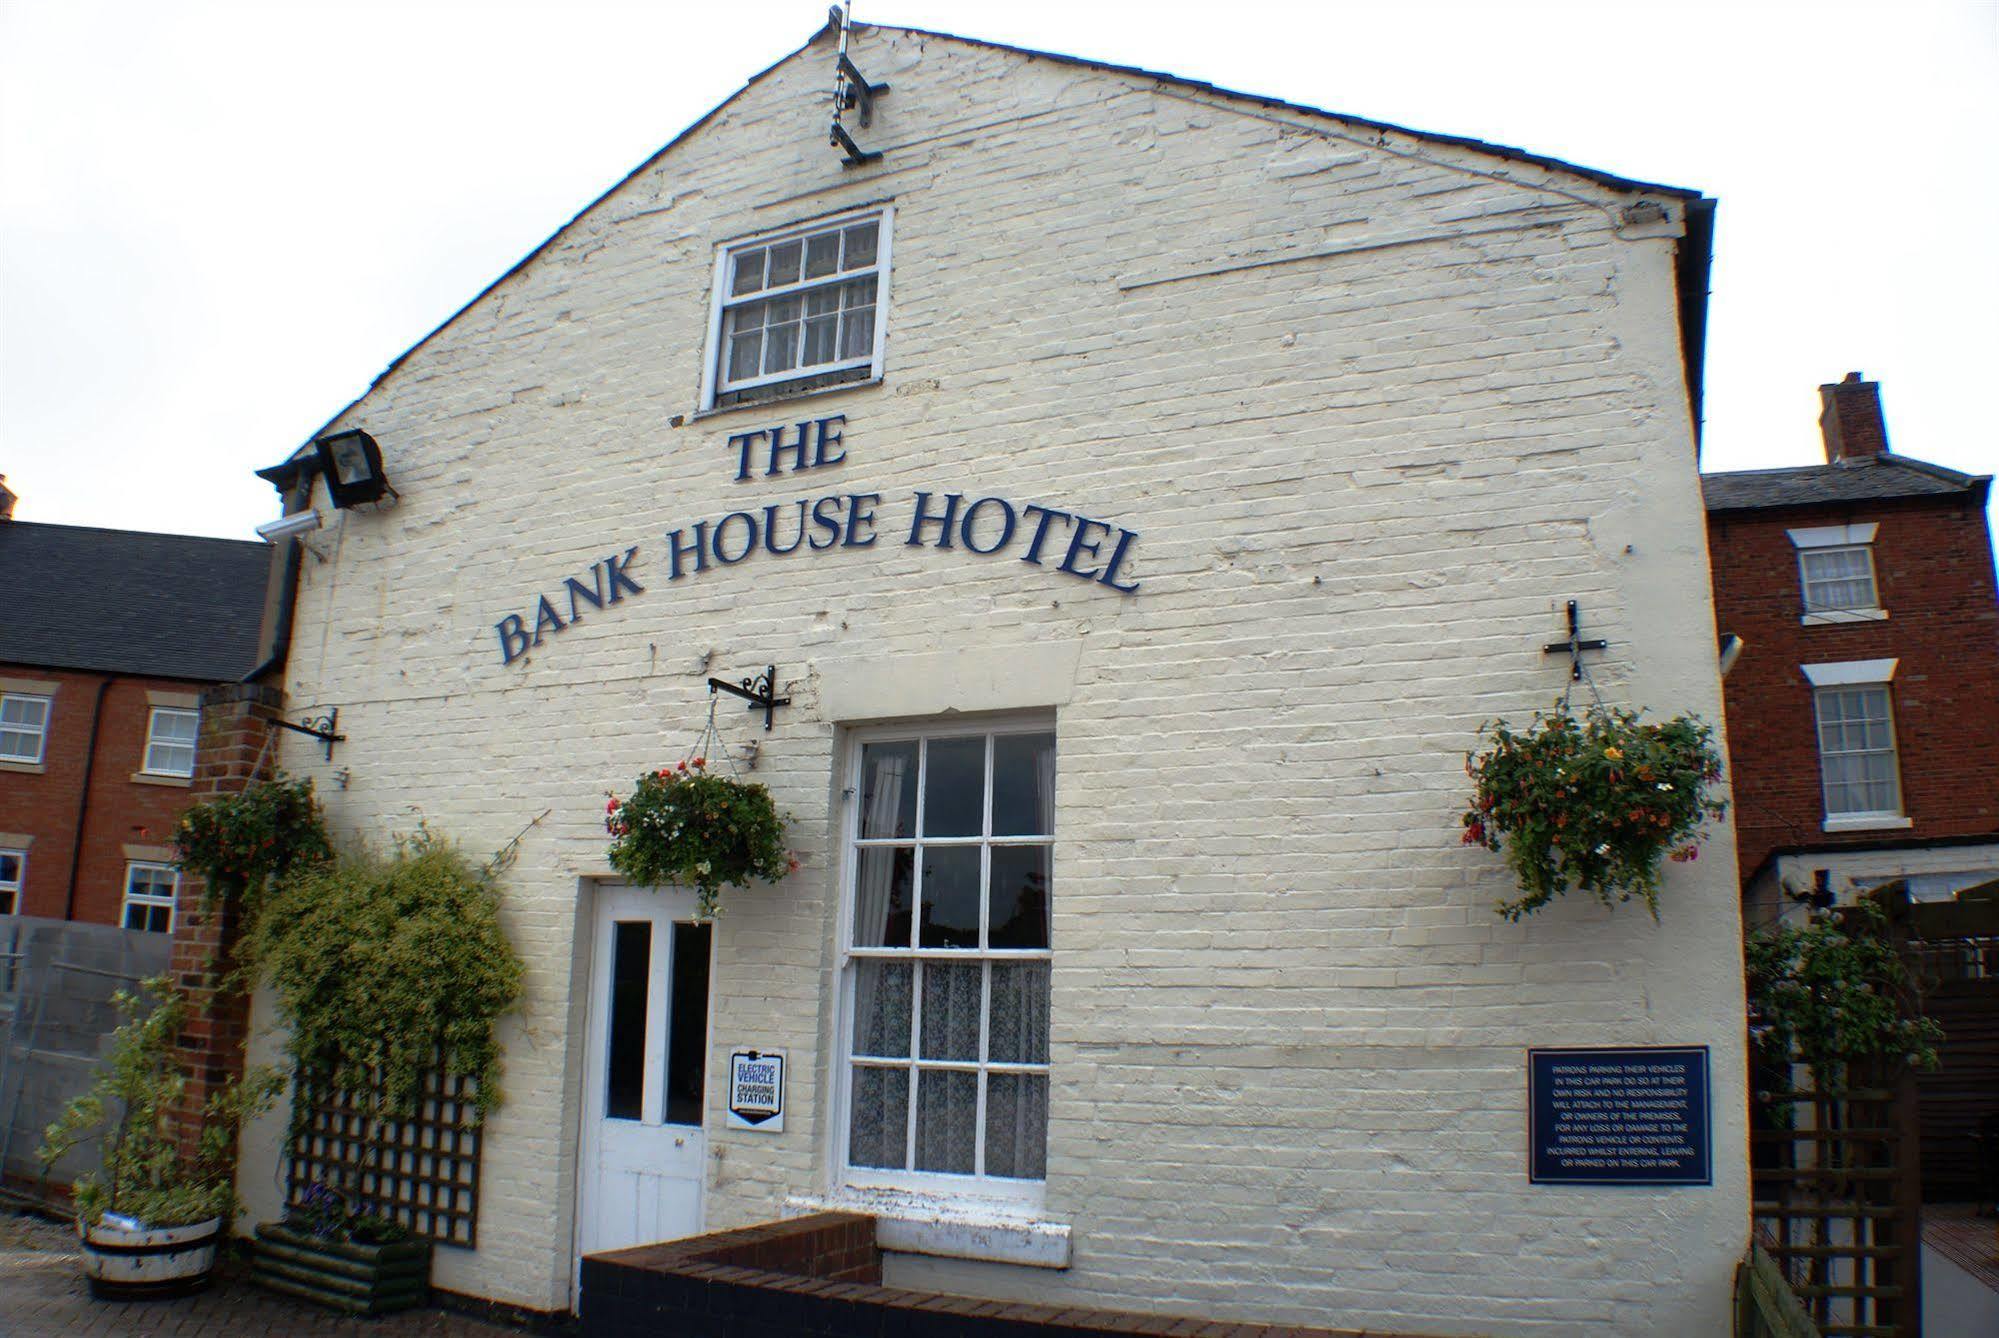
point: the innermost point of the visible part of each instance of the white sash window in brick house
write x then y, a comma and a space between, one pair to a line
949, 857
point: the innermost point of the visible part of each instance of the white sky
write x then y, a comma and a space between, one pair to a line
218, 221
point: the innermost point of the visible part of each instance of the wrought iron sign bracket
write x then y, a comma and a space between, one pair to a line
760, 693
1575, 645
325, 728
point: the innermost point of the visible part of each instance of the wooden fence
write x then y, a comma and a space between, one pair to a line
1837, 1205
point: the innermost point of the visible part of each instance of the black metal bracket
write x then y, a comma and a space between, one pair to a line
1575, 645
760, 693
856, 157
325, 728
860, 91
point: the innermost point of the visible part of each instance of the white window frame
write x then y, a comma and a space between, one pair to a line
10, 888
1852, 676
153, 741
715, 382
1821, 539
40, 731
149, 899
945, 1187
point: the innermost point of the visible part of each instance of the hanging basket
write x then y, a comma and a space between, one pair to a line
1595, 804
685, 825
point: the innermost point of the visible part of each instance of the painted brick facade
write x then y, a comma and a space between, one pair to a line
1933, 565
1377, 406
124, 816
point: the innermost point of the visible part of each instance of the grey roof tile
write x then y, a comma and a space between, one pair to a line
1874, 479
122, 601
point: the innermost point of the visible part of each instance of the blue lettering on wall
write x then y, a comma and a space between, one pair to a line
1076, 545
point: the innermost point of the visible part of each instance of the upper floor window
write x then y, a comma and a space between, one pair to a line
170, 741
24, 727
13, 867
1858, 767
1836, 572
149, 897
799, 310
950, 851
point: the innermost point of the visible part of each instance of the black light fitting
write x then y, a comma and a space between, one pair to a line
351, 463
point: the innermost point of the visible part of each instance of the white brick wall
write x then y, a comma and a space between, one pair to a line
1377, 407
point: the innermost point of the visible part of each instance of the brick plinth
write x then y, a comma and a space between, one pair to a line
236, 749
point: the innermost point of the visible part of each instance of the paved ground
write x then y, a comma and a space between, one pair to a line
42, 1292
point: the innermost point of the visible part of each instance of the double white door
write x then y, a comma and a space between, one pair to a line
640, 1173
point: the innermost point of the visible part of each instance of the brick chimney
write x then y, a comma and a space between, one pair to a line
7, 499
1851, 420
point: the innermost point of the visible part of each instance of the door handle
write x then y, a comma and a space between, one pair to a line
680, 1142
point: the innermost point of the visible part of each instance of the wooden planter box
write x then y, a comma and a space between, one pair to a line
359, 1279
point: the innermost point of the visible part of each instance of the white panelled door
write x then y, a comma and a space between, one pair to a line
640, 1170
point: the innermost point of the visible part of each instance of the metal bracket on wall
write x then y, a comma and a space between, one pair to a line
1575, 645
760, 693
851, 89
325, 728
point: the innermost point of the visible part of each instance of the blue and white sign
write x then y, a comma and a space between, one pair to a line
756, 1090
1636, 1116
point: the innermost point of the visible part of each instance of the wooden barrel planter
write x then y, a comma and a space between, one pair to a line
136, 1263
359, 1279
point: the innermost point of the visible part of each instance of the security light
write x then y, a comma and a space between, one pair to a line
352, 465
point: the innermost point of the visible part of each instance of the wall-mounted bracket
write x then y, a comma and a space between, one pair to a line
856, 156
325, 728
859, 91
1575, 645
760, 692
851, 89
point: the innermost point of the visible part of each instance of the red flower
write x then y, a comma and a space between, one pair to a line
611, 807
700, 761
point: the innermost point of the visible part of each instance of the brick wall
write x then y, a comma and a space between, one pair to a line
122, 809
1933, 565
235, 749
822, 1275
1377, 407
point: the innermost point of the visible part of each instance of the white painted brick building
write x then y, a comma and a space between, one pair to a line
1375, 405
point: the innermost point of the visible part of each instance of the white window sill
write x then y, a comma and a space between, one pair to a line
151, 778
1832, 616
981, 1229
1869, 822
27, 768
790, 397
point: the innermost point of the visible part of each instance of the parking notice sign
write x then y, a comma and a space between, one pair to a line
756, 1090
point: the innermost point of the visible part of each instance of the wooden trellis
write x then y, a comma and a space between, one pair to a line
421, 1171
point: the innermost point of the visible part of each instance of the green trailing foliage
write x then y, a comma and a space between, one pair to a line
142, 1171
1834, 994
239, 843
684, 825
381, 963
1595, 804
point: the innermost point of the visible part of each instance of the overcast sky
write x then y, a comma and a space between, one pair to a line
218, 221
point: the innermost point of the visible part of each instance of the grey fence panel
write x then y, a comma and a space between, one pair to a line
56, 1017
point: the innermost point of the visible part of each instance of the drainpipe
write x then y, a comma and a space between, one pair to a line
83, 799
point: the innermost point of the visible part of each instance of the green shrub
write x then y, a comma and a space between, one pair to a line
382, 963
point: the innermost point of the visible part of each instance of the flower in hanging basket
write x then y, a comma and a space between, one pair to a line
1594, 804
687, 826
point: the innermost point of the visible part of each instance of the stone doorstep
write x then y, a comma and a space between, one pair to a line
804, 1271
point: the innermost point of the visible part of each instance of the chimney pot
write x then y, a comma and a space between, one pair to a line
1850, 420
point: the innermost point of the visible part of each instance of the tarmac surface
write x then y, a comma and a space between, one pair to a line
42, 1291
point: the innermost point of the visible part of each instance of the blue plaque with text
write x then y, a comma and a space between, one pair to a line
1630, 1116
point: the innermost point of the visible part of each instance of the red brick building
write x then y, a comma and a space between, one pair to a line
107, 638
1863, 708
